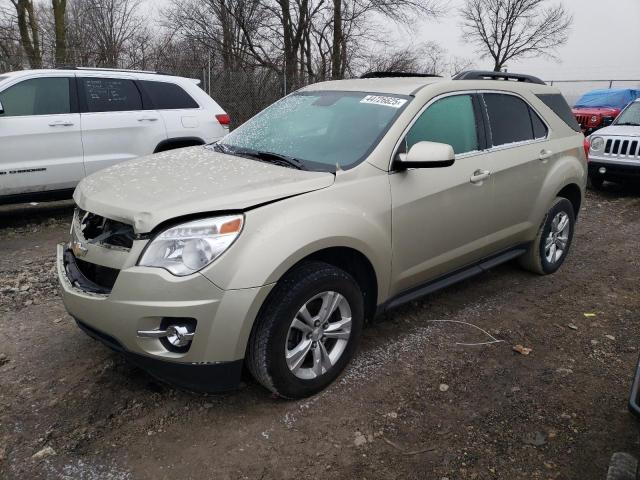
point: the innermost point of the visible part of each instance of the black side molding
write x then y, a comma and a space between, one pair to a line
451, 278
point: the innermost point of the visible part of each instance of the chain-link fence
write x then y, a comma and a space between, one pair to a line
574, 89
244, 93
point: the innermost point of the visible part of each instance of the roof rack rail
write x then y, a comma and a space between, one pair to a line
102, 69
396, 75
487, 75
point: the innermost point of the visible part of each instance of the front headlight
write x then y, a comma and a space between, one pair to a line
189, 247
597, 143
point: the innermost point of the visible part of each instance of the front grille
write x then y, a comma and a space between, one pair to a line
104, 276
89, 277
101, 230
623, 148
583, 120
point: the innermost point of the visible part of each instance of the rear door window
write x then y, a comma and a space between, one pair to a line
450, 120
37, 96
110, 95
167, 96
510, 119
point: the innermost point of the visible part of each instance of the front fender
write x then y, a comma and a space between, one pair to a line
353, 213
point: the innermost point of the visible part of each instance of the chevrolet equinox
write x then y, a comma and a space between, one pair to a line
271, 247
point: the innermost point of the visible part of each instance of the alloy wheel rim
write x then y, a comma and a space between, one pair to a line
318, 335
557, 241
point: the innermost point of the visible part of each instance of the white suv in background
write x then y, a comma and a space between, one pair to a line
58, 126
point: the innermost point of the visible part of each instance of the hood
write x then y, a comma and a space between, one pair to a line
150, 190
605, 111
618, 131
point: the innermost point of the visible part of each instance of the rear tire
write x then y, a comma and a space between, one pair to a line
550, 248
307, 330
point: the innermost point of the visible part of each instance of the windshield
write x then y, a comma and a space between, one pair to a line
320, 129
630, 116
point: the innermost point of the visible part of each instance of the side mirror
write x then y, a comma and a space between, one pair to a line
427, 155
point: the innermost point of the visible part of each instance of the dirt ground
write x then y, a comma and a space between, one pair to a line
414, 404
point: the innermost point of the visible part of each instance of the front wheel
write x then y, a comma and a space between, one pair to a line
550, 248
307, 331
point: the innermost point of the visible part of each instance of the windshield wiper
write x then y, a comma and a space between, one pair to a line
629, 124
269, 157
220, 147
277, 158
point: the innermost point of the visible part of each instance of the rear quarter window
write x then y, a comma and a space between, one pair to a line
557, 103
168, 96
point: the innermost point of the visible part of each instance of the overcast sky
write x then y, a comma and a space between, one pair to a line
604, 42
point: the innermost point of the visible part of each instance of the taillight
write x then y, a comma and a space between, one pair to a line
223, 119
587, 147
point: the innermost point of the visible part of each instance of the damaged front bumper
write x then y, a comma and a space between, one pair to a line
145, 299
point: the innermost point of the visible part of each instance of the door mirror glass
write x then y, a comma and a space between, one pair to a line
427, 155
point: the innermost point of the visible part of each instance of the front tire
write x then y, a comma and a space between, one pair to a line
307, 331
550, 248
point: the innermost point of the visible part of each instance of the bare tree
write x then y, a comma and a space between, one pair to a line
10, 50
215, 24
428, 58
357, 18
59, 9
114, 24
508, 29
459, 64
29, 34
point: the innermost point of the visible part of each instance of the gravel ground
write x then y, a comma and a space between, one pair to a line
414, 404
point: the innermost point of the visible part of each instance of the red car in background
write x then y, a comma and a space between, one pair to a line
599, 108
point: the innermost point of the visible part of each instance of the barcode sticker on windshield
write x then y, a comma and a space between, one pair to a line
392, 102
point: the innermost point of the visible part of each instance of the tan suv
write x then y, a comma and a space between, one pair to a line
272, 247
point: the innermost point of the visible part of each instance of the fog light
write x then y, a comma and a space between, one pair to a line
175, 334
602, 170
179, 336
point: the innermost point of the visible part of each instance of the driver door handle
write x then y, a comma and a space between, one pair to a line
148, 119
479, 176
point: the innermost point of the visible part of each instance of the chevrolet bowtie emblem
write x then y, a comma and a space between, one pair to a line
78, 249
